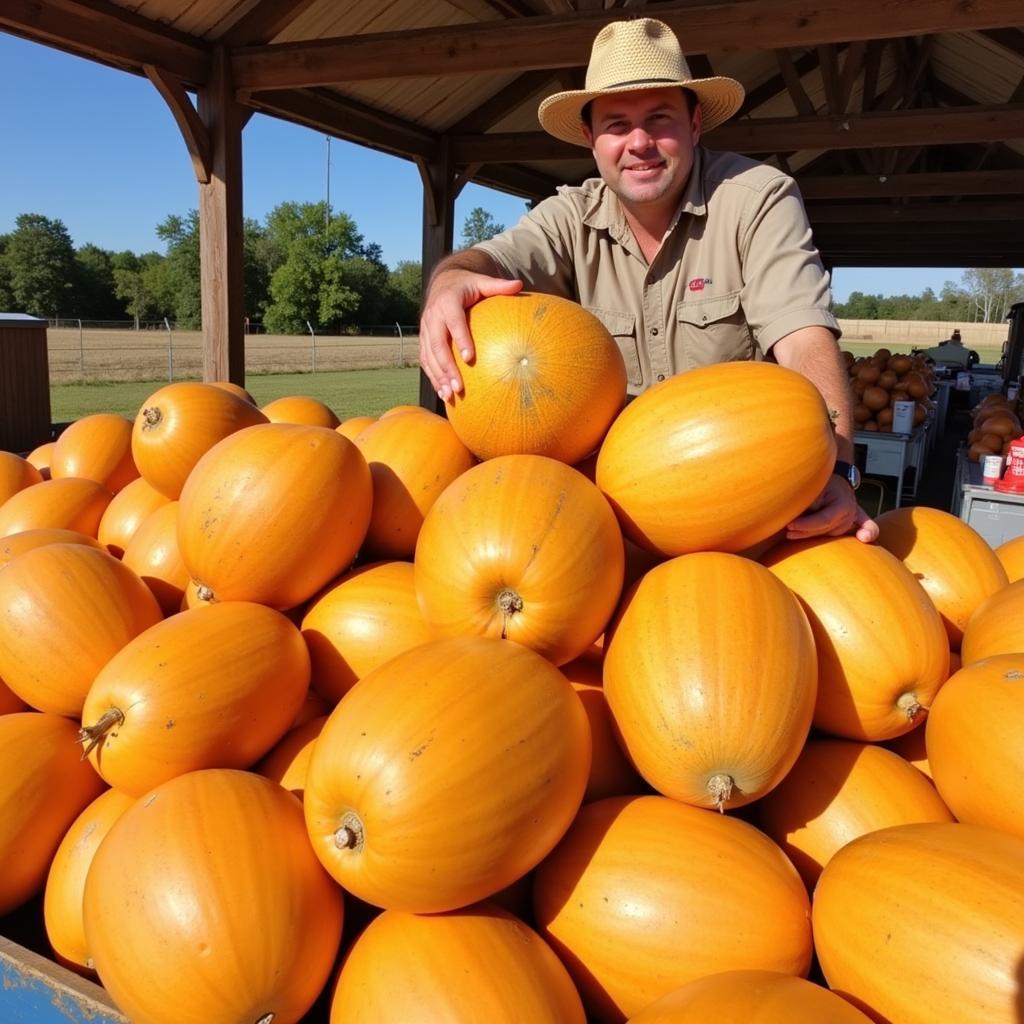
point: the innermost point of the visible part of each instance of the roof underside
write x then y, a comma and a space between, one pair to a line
903, 120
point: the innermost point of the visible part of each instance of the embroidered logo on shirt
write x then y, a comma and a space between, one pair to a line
697, 284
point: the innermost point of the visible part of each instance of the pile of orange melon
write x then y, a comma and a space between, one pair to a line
462, 718
881, 380
995, 422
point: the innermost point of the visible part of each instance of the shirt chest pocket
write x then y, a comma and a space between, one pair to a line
712, 330
622, 327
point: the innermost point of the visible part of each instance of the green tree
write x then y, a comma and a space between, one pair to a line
141, 284
6, 292
406, 282
311, 279
181, 271
991, 291
95, 289
479, 226
39, 262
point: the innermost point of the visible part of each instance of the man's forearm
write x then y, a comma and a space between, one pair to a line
474, 260
813, 352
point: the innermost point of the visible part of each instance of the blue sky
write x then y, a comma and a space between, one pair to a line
97, 149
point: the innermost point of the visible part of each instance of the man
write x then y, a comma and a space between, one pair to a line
689, 257
952, 353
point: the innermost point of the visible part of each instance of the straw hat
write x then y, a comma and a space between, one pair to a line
628, 56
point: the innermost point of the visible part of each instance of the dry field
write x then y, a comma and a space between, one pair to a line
118, 355
124, 355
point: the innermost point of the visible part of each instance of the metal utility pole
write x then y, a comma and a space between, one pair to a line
327, 211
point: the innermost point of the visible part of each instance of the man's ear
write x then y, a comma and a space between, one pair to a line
696, 123
587, 133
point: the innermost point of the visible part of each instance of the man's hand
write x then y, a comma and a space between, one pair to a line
443, 323
834, 513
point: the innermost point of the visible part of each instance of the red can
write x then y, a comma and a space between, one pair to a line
1013, 476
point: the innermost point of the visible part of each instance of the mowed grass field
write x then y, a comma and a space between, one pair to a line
347, 392
355, 376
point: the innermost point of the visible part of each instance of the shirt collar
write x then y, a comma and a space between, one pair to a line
605, 212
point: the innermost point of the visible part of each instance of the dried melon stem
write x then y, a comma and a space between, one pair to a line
92, 735
509, 602
350, 835
909, 704
151, 417
720, 787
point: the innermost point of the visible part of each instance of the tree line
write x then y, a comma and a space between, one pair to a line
307, 264
981, 296
303, 263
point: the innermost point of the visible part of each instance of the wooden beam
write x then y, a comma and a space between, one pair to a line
520, 181
328, 112
700, 65
264, 22
768, 90
190, 124
915, 233
565, 41
438, 175
785, 134
1010, 39
503, 102
962, 257
220, 230
105, 32
829, 61
872, 66
925, 213
852, 67
794, 86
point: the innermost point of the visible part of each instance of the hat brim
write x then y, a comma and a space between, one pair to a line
561, 115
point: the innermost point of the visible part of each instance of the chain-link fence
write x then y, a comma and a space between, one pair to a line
94, 350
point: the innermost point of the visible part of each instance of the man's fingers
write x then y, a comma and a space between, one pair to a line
444, 325
497, 286
868, 530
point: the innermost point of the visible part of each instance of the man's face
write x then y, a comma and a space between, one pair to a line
643, 144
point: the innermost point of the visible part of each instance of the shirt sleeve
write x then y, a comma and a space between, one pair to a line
538, 250
785, 286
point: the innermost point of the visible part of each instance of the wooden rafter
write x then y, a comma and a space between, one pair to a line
264, 22
1011, 39
786, 134
794, 86
565, 41
328, 112
803, 64
853, 64
944, 213
105, 32
828, 58
700, 65
186, 117
502, 102
897, 186
872, 66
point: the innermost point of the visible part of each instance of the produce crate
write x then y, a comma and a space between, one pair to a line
34, 990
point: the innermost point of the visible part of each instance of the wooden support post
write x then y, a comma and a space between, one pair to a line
439, 191
220, 228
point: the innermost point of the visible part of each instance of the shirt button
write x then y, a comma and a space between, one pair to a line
654, 331
661, 376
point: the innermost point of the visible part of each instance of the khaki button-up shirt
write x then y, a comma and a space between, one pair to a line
737, 269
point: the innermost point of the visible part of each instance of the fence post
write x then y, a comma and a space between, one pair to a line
401, 344
81, 351
312, 334
170, 352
